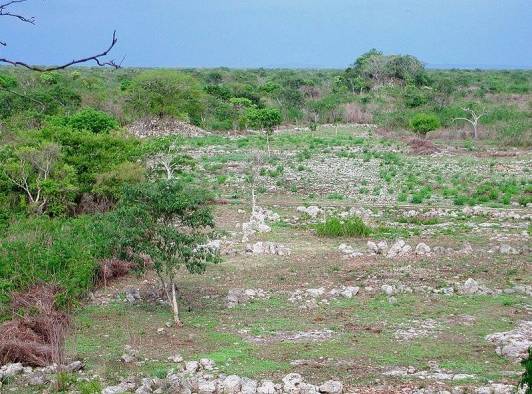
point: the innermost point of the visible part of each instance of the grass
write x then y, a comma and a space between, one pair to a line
336, 227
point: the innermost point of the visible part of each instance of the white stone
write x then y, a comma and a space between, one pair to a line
291, 383
470, 286
207, 364
422, 248
388, 290
266, 387
232, 384
331, 387
192, 366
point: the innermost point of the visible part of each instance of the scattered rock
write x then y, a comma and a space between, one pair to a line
312, 211
331, 387
264, 247
398, 249
132, 295
469, 287
507, 249
232, 384
130, 355
513, 344
422, 249
241, 296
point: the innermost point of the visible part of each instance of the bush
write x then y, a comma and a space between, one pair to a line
166, 93
422, 123
526, 379
336, 227
92, 120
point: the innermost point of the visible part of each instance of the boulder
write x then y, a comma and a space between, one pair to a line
266, 387
422, 249
292, 382
331, 387
232, 384
469, 287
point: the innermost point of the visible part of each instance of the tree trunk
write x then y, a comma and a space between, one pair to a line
268, 142
253, 201
175, 308
475, 133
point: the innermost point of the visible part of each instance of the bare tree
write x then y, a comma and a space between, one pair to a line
474, 118
5, 10
31, 170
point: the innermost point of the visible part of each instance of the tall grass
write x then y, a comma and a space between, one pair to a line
336, 227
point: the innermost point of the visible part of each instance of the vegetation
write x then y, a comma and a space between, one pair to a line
423, 123
389, 90
336, 227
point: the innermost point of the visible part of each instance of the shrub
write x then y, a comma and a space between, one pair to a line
166, 93
422, 123
92, 120
526, 379
336, 227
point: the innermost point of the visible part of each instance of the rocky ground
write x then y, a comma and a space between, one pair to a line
436, 300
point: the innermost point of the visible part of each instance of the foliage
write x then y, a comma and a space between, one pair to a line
263, 118
165, 93
526, 379
422, 123
92, 120
336, 227
171, 219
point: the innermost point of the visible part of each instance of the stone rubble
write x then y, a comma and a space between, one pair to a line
312, 211
416, 329
241, 296
513, 344
201, 380
266, 247
257, 222
434, 373
309, 298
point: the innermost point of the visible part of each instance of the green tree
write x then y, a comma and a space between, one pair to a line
166, 93
265, 119
172, 222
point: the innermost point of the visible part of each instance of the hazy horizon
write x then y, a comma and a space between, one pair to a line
311, 34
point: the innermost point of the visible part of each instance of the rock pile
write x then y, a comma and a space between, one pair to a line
513, 344
416, 329
434, 373
200, 377
312, 211
35, 376
257, 222
309, 298
271, 248
241, 296
157, 127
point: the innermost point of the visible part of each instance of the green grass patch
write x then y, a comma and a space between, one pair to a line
336, 227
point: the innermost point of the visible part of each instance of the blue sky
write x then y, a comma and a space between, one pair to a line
274, 33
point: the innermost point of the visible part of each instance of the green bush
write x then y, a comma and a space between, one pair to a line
166, 93
336, 227
526, 378
60, 251
92, 120
422, 123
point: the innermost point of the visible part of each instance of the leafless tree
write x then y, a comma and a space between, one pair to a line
474, 118
5, 10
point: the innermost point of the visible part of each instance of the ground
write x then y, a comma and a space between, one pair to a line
357, 340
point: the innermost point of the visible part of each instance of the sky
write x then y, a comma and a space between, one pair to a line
273, 33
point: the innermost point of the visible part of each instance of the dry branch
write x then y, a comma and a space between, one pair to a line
93, 58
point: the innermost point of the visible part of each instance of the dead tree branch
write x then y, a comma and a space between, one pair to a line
98, 58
